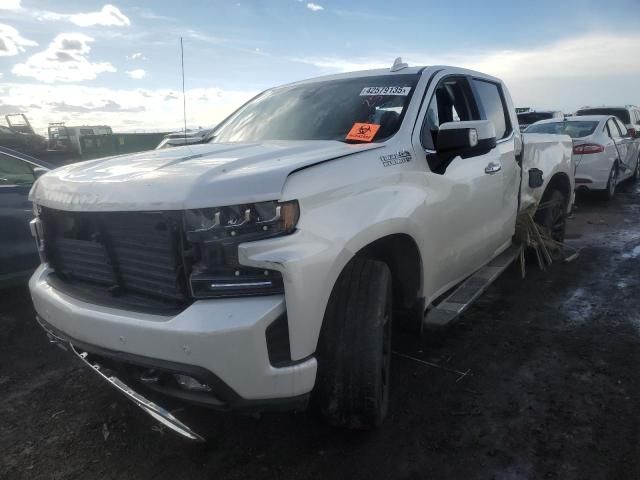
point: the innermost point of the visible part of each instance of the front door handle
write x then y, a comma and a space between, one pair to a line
493, 167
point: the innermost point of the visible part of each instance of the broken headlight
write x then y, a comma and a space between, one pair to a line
214, 234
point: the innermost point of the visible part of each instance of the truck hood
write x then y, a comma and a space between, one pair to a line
197, 176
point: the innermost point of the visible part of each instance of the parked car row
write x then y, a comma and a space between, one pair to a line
606, 145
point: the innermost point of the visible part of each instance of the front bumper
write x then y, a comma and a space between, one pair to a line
222, 340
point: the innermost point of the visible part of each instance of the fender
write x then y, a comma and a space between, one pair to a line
334, 226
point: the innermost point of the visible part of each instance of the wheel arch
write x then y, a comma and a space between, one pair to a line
401, 254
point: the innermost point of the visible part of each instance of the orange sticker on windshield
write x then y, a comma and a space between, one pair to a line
363, 132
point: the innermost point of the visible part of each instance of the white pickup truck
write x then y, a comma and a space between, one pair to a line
263, 269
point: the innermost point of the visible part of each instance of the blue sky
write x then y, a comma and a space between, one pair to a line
91, 62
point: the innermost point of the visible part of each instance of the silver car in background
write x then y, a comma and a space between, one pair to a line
604, 152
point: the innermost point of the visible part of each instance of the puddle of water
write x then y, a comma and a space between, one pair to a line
578, 306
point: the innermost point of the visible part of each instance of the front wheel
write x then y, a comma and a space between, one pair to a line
354, 350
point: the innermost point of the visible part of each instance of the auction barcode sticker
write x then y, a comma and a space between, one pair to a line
400, 91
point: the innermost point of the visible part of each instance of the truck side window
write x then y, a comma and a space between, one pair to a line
452, 101
490, 96
15, 172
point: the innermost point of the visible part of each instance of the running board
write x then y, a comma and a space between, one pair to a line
469, 290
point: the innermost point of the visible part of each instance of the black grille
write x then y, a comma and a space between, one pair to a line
118, 253
83, 260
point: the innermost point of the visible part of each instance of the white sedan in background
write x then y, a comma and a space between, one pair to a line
604, 152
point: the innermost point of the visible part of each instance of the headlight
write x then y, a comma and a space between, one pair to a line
213, 235
266, 218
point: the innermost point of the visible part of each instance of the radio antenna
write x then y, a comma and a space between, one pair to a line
184, 97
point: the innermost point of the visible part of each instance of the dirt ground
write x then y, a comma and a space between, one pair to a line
551, 391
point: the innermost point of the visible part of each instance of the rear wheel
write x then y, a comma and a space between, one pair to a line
551, 216
612, 183
636, 172
354, 350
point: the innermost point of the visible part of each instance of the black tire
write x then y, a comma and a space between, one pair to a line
610, 192
552, 216
410, 320
354, 350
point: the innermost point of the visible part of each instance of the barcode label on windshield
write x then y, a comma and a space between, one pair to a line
400, 91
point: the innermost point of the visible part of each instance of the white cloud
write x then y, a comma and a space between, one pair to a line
204, 37
314, 7
10, 4
136, 56
137, 74
64, 60
340, 65
132, 109
587, 55
109, 16
11, 42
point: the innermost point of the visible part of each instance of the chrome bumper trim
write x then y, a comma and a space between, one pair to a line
154, 410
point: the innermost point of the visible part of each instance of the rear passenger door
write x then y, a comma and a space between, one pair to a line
469, 215
493, 106
18, 253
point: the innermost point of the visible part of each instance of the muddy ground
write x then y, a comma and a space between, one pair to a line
552, 391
